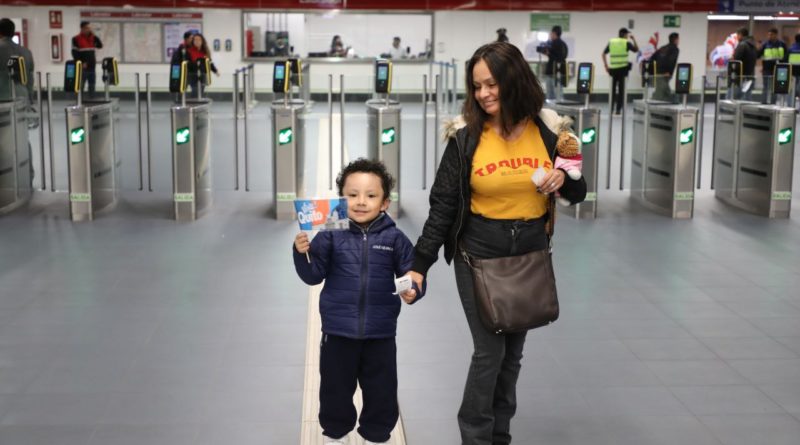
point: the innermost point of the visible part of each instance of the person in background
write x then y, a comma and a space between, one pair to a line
501, 35
281, 49
772, 51
396, 51
666, 59
337, 47
9, 48
181, 52
794, 59
746, 53
84, 48
555, 71
198, 50
618, 49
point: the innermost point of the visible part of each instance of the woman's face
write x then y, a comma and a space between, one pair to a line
197, 41
487, 93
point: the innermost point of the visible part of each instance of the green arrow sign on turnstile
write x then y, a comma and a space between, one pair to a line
588, 136
387, 135
687, 135
285, 136
785, 136
182, 136
77, 135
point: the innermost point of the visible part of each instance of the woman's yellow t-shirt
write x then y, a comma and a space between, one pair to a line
501, 175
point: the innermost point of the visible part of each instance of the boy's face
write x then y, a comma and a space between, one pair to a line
365, 200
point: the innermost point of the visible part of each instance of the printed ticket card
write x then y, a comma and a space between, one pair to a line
322, 214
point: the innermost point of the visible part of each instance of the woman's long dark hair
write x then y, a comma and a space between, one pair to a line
521, 95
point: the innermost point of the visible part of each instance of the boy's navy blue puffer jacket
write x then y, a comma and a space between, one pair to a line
359, 266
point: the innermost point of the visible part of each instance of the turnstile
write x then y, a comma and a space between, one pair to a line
586, 125
191, 159
754, 157
94, 170
663, 158
383, 142
288, 155
16, 170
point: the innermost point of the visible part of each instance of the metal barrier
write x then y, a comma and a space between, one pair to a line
191, 159
16, 171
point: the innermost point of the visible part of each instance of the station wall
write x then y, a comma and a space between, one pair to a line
457, 34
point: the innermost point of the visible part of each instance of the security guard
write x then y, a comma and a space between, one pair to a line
619, 66
772, 51
794, 59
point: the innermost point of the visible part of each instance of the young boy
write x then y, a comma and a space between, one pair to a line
359, 312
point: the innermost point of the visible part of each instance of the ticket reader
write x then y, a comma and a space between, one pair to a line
92, 160
288, 137
664, 150
191, 150
754, 152
586, 125
16, 179
203, 70
383, 129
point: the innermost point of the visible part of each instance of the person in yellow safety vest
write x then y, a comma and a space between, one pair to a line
617, 50
794, 59
772, 51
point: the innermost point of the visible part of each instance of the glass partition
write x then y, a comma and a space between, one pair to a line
337, 35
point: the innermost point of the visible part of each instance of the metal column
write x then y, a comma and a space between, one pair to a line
383, 142
288, 156
16, 180
191, 159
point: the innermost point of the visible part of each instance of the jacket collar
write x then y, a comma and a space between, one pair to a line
382, 222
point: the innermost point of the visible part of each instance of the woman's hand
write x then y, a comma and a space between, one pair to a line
416, 277
552, 181
301, 242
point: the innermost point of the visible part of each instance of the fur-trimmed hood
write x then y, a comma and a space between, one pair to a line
554, 122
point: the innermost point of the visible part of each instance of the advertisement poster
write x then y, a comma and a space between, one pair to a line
322, 214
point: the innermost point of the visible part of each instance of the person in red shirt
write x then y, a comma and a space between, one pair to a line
196, 51
84, 46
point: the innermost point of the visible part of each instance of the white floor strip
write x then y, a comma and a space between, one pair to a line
311, 433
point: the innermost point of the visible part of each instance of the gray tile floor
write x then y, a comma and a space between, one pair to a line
134, 329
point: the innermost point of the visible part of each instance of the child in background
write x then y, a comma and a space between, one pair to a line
358, 308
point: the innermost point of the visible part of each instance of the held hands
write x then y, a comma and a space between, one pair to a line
301, 242
410, 295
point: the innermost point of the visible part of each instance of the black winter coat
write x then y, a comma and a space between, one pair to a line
451, 190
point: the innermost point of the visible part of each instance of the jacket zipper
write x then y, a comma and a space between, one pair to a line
461, 192
362, 297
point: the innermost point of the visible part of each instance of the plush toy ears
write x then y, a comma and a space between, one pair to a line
564, 123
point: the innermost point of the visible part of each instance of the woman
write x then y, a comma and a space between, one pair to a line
483, 202
337, 47
196, 51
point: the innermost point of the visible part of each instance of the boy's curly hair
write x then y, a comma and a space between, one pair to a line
363, 165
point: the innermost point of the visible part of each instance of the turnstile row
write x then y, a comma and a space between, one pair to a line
16, 170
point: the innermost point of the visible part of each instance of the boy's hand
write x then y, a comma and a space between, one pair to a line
409, 296
301, 242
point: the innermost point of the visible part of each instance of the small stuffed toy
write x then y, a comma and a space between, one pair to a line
569, 156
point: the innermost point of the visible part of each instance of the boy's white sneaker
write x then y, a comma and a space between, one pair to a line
331, 441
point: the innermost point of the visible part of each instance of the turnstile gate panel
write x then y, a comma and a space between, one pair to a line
763, 182
726, 143
92, 159
16, 181
383, 143
191, 159
288, 156
586, 125
663, 158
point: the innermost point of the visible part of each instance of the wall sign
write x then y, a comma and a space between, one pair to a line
56, 20
545, 22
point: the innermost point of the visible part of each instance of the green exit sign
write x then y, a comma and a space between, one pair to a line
388, 135
77, 135
785, 136
285, 136
588, 135
182, 136
672, 21
687, 135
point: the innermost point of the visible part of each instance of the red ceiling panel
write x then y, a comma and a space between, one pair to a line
696, 5
551, 5
631, 5
118, 3
387, 4
226, 4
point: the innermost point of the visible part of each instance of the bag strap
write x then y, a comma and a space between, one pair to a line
549, 226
